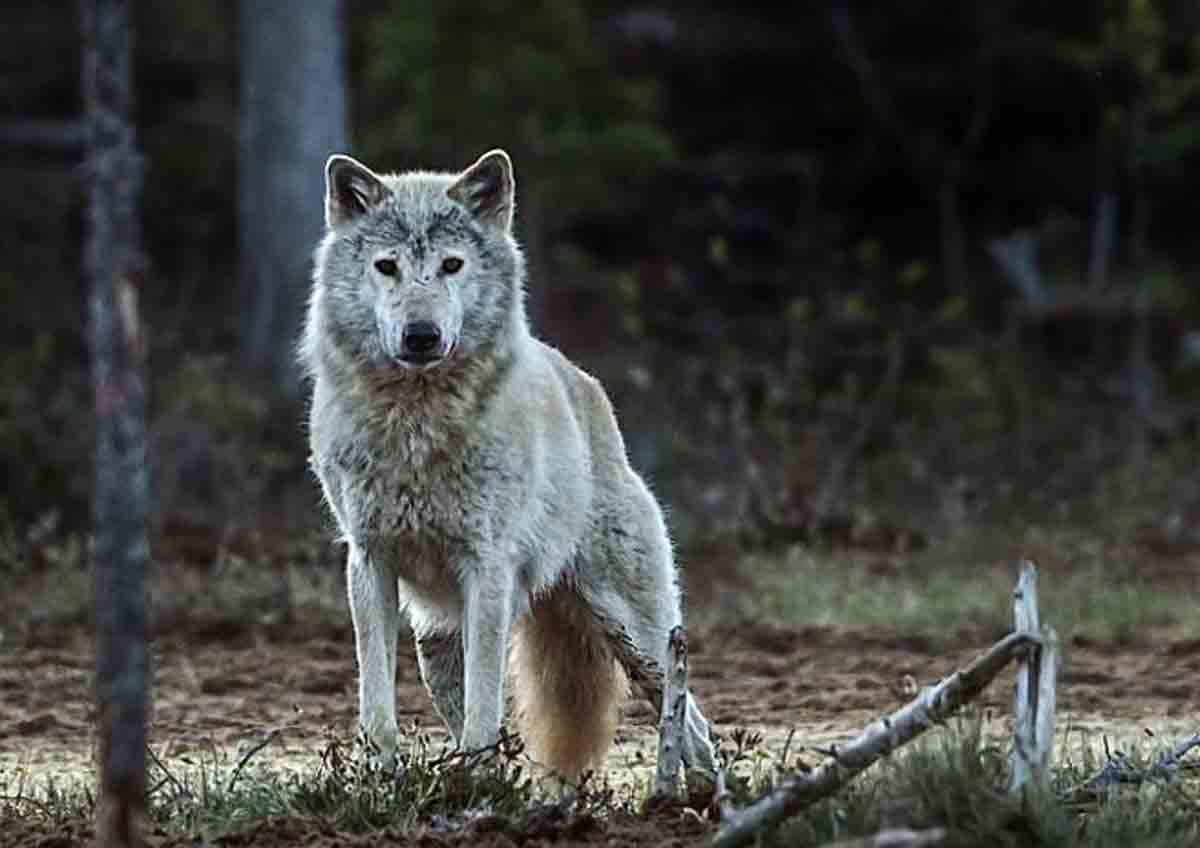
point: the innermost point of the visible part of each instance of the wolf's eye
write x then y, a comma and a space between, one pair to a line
387, 267
452, 265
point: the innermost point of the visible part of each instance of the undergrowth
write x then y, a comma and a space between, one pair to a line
953, 779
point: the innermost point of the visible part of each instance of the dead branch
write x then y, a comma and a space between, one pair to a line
723, 798
1016, 255
1035, 700
1047, 700
895, 838
933, 705
1119, 768
267, 738
1025, 619
674, 708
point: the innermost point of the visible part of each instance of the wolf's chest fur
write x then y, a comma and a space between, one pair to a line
421, 508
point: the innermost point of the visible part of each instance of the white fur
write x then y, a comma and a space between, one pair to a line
496, 505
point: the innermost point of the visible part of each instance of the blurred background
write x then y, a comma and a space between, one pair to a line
855, 274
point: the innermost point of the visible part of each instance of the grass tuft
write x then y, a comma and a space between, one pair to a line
954, 778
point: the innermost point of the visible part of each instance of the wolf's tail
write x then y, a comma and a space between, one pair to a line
567, 685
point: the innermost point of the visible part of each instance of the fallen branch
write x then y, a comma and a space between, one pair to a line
267, 738
895, 838
1036, 698
933, 705
1047, 700
670, 724
1025, 620
1119, 768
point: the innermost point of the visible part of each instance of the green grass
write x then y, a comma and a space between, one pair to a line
933, 597
953, 778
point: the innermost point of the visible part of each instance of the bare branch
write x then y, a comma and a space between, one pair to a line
895, 838
674, 708
933, 705
1036, 697
1047, 701
1119, 768
723, 798
1016, 255
266, 740
1025, 618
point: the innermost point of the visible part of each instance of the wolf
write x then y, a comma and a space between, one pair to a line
478, 478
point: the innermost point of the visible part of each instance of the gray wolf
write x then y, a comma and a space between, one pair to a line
478, 477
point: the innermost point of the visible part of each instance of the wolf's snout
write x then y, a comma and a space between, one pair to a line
420, 339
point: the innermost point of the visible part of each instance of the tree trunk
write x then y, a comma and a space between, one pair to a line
950, 226
121, 550
293, 116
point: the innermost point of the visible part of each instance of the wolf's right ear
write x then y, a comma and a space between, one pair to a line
487, 189
351, 189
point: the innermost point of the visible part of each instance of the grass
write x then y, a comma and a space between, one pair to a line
1093, 594
953, 778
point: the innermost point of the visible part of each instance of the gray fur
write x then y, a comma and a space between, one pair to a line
487, 493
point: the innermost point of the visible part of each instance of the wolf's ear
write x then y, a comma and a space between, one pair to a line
351, 189
487, 189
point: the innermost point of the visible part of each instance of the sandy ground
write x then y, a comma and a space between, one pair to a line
821, 684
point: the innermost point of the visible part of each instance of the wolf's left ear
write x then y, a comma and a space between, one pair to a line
351, 189
487, 189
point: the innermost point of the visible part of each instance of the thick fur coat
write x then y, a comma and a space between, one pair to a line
477, 476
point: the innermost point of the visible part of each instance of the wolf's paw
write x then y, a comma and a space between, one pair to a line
378, 754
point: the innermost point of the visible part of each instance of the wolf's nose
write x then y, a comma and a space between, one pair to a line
420, 337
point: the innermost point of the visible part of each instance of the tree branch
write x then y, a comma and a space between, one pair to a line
933, 705
674, 709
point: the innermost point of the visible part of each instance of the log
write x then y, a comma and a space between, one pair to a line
933, 705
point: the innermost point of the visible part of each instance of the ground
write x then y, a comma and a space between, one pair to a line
804, 644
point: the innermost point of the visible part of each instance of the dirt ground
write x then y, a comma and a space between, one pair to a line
824, 684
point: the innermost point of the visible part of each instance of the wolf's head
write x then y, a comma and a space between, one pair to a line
418, 272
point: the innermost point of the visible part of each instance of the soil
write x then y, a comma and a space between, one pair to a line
805, 688
825, 684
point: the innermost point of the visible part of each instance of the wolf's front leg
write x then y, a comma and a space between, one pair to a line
440, 658
374, 607
489, 595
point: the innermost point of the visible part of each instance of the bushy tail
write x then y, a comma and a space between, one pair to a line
567, 686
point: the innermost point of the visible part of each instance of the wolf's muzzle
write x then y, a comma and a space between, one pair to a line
421, 342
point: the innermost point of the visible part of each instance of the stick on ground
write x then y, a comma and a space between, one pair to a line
1023, 758
933, 705
1036, 698
895, 838
670, 724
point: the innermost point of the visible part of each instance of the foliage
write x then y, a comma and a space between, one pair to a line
466, 76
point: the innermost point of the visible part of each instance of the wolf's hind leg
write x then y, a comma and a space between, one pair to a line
375, 610
637, 612
440, 657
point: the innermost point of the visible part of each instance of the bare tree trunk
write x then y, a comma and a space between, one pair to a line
121, 551
293, 116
